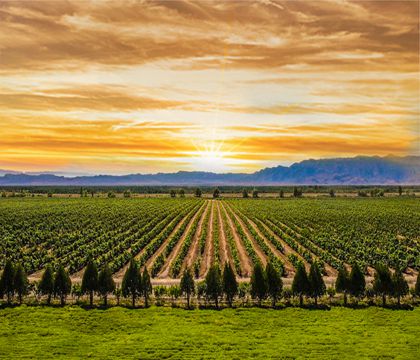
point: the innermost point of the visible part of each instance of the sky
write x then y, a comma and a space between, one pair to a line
141, 87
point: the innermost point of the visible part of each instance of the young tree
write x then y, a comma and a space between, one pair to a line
258, 283
342, 284
20, 282
399, 285
90, 280
216, 193
244, 193
230, 285
300, 285
332, 193
357, 282
198, 192
281, 194
214, 284
46, 285
6, 281
182, 193
187, 285
173, 193
106, 284
131, 282
146, 286
274, 283
400, 190
62, 284
382, 283
255, 193
317, 286
127, 193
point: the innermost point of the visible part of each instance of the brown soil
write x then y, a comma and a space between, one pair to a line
164, 272
208, 249
246, 264
224, 251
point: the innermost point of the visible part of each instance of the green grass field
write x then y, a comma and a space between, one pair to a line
166, 333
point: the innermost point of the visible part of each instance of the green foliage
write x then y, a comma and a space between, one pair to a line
182, 193
46, 285
90, 280
62, 284
7, 281
131, 283
258, 283
198, 192
399, 285
213, 281
230, 285
357, 282
187, 285
417, 286
216, 193
382, 283
300, 285
274, 283
20, 282
316, 282
173, 193
106, 284
244, 193
255, 193
146, 288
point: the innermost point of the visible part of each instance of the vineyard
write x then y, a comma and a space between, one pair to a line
168, 235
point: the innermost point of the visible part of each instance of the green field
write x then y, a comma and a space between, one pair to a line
158, 333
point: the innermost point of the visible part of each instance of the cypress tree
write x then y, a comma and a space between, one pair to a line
382, 283
146, 286
317, 286
106, 284
131, 283
342, 284
274, 282
417, 286
6, 281
20, 282
62, 284
258, 283
46, 285
214, 284
300, 285
230, 285
399, 285
187, 285
90, 280
357, 281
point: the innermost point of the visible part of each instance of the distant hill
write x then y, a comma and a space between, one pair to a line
360, 170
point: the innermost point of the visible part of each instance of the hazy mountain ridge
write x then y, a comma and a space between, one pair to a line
339, 171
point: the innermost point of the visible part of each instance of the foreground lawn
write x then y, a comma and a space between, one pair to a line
158, 333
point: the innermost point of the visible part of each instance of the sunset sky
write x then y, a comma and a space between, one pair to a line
138, 86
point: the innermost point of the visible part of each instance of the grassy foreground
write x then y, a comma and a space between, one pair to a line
159, 333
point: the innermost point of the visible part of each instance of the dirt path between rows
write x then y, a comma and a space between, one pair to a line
224, 251
208, 249
194, 248
260, 253
164, 272
246, 264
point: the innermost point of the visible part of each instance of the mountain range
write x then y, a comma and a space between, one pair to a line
360, 170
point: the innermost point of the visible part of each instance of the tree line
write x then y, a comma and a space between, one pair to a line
219, 284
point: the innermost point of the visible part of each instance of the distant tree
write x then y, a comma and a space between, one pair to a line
332, 193
281, 194
20, 282
6, 281
417, 286
3, 194
106, 284
216, 193
187, 285
357, 282
117, 294
258, 283
274, 283
182, 193
300, 285
146, 286
81, 192
316, 282
111, 194
214, 284
127, 193
297, 192
399, 285
46, 285
244, 193
342, 284
50, 194
198, 192
400, 190
62, 284
382, 282
173, 193
361, 193
131, 282
90, 280
92, 193
255, 193
230, 285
